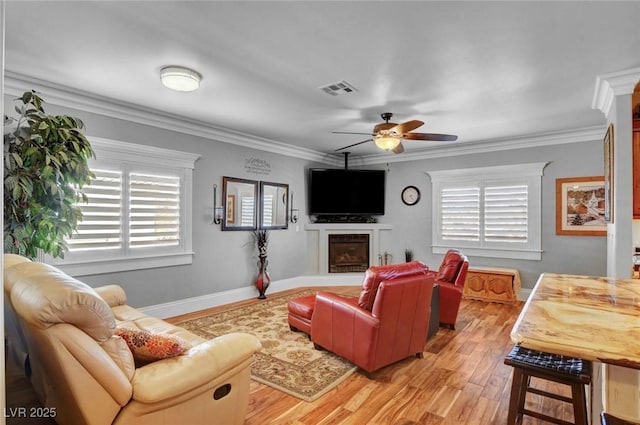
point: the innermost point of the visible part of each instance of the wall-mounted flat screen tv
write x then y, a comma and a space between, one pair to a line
346, 192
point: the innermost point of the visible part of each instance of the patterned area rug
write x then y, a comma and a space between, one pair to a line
287, 361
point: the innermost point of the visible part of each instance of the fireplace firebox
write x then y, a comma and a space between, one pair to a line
348, 253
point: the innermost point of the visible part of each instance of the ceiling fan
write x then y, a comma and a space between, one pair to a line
388, 135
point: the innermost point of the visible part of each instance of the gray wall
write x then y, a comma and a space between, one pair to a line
227, 260
223, 260
562, 254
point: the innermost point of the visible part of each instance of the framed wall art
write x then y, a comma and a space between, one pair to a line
580, 206
231, 209
608, 175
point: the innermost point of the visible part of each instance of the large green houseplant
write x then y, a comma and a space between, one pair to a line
45, 167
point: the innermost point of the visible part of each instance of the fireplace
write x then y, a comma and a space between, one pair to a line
378, 234
348, 253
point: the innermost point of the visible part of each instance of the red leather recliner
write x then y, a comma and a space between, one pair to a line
451, 276
386, 323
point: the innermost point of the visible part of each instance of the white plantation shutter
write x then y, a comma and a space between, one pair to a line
504, 219
247, 210
139, 213
489, 211
101, 225
506, 214
460, 210
267, 210
154, 210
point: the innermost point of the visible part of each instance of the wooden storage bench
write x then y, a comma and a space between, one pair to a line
492, 284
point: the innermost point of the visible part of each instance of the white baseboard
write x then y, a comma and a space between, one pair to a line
189, 305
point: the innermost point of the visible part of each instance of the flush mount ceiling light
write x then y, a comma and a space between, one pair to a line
180, 78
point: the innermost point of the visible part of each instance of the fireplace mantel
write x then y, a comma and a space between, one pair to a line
323, 230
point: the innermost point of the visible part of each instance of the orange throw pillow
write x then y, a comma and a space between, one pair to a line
147, 346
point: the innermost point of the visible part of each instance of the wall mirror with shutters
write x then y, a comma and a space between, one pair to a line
240, 203
274, 205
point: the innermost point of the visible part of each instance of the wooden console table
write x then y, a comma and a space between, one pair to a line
492, 284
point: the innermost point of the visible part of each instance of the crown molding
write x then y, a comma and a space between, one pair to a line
588, 134
614, 84
15, 84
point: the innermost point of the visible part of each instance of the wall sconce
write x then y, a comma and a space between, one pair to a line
293, 215
217, 210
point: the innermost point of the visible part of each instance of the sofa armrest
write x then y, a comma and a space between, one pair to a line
171, 377
462, 274
81, 352
114, 295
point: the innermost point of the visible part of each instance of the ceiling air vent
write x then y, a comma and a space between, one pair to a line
340, 87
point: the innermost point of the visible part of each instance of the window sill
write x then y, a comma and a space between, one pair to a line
91, 267
514, 254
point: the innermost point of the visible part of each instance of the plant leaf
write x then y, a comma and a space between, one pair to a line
44, 169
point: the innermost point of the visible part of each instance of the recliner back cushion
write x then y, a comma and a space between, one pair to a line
44, 295
13, 268
449, 267
377, 274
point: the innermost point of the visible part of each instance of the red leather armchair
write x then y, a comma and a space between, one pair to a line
450, 277
387, 323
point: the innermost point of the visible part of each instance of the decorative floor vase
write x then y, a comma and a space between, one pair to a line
263, 280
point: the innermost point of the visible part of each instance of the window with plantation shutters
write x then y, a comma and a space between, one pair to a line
492, 212
138, 213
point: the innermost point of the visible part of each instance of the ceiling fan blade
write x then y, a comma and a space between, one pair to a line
355, 144
398, 149
349, 132
430, 136
405, 127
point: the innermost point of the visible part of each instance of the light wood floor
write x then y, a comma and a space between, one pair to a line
461, 380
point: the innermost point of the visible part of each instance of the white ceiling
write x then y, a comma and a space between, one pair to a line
481, 70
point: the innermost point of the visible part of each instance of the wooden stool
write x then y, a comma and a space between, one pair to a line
562, 369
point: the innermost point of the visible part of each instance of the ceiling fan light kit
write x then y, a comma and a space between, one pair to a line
386, 143
180, 78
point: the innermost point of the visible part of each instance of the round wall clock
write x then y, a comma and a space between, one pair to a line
410, 195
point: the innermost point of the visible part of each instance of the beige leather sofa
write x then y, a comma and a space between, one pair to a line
87, 375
